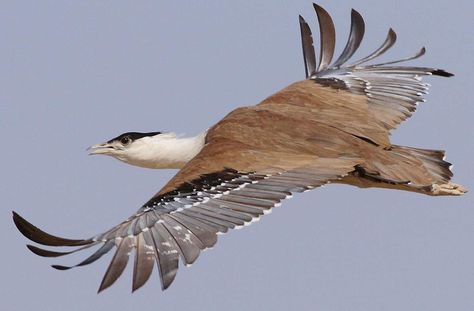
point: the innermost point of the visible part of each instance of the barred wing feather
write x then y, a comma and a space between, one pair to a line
187, 220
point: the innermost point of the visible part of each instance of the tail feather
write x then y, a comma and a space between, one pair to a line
432, 160
406, 168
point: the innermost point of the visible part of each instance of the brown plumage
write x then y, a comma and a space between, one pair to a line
332, 127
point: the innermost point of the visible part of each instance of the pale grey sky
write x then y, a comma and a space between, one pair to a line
75, 73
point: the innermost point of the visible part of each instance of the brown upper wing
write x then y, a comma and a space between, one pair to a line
343, 110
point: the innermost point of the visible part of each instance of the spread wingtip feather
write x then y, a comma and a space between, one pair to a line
327, 37
442, 73
39, 236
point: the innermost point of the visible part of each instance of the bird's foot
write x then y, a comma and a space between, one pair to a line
448, 189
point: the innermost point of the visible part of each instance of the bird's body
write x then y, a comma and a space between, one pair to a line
332, 127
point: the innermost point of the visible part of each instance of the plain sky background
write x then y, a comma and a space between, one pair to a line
76, 73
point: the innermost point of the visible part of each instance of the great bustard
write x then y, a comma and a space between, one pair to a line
332, 127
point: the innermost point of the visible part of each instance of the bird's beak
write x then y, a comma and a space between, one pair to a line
104, 148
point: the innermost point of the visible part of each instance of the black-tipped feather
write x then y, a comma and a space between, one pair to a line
37, 235
118, 263
420, 53
104, 249
355, 38
308, 48
441, 73
47, 253
327, 35
386, 45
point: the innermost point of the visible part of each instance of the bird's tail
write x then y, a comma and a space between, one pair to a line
432, 160
407, 168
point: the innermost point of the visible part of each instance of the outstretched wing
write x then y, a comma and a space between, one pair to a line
392, 91
201, 201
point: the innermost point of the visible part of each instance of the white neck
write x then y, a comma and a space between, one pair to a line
164, 151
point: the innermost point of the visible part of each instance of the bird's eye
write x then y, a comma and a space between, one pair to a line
125, 140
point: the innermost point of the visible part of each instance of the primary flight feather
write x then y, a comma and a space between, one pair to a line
332, 127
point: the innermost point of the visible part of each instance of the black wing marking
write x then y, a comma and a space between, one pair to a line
393, 92
185, 221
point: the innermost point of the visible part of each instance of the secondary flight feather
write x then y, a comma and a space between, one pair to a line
332, 127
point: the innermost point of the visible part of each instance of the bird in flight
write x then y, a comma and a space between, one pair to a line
332, 127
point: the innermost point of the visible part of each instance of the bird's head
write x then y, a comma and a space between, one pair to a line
150, 150
128, 147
